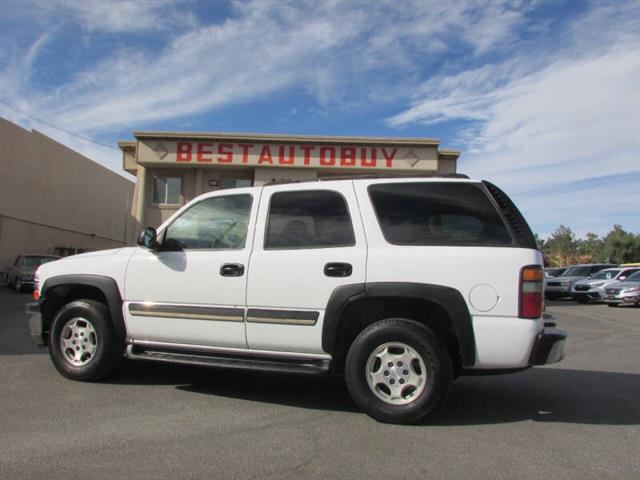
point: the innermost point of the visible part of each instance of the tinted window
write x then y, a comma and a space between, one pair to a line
36, 261
437, 214
628, 273
216, 223
577, 272
634, 278
606, 274
311, 219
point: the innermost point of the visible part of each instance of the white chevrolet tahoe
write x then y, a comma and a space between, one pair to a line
400, 284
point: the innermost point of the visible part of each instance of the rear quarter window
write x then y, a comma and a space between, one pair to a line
425, 213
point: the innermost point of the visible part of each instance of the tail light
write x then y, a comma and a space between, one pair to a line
36, 284
531, 287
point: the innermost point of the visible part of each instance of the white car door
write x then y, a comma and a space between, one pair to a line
192, 289
309, 241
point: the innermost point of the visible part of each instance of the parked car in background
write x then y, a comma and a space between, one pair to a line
624, 293
561, 286
593, 288
554, 271
20, 274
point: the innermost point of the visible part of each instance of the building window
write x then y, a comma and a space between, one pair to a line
309, 219
167, 190
235, 183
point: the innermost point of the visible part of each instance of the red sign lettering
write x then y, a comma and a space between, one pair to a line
201, 158
245, 151
327, 156
389, 157
225, 150
265, 155
307, 153
292, 155
372, 162
347, 157
183, 153
331, 160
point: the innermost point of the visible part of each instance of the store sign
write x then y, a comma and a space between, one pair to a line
202, 153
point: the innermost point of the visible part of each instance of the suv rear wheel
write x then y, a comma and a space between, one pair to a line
83, 344
398, 371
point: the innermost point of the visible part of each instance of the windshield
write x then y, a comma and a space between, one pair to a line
606, 274
576, 271
36, 261
634, 278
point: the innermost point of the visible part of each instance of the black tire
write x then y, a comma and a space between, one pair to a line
17, 285
612, 305
439, 371
109, 348
581, 300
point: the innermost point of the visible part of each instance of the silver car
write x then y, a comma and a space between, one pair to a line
624, 293
558, 287
593, 288
20, 274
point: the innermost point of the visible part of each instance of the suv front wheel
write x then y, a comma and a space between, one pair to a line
398, 371
83, 343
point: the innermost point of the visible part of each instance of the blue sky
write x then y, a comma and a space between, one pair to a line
543, 98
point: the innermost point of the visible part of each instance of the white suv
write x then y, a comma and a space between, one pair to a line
399, 283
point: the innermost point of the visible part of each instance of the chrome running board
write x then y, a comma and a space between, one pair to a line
185, 356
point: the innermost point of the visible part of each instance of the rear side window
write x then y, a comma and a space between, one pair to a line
309, 219
437, 214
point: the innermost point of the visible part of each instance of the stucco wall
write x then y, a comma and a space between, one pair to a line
51, 196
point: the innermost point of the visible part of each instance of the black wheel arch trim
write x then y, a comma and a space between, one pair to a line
107, 285
450, 299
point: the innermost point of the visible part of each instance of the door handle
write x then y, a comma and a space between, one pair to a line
338, 269
232, 270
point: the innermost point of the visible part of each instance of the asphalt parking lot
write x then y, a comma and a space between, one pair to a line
577, 419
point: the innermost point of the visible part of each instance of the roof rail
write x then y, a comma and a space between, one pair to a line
369, 176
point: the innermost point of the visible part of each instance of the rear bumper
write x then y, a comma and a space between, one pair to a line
36, 326
549, 347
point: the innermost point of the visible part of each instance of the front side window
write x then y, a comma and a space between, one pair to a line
606, 274
167, 190
437, 214
213, 223
310, 219
634, 278
627, 273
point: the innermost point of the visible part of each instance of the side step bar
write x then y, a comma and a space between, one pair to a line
212, 359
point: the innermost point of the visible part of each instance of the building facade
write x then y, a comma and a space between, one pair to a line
172, 168
55, 201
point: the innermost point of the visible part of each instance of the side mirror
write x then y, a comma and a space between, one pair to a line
623, 277
148, 238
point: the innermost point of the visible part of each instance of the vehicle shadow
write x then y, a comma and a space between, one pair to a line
539, 394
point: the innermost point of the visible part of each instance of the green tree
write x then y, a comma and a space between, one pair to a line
589, 249
561, 247
620, 246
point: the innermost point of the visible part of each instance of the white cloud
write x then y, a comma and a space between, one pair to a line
533, 125
327, 47
117, 16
